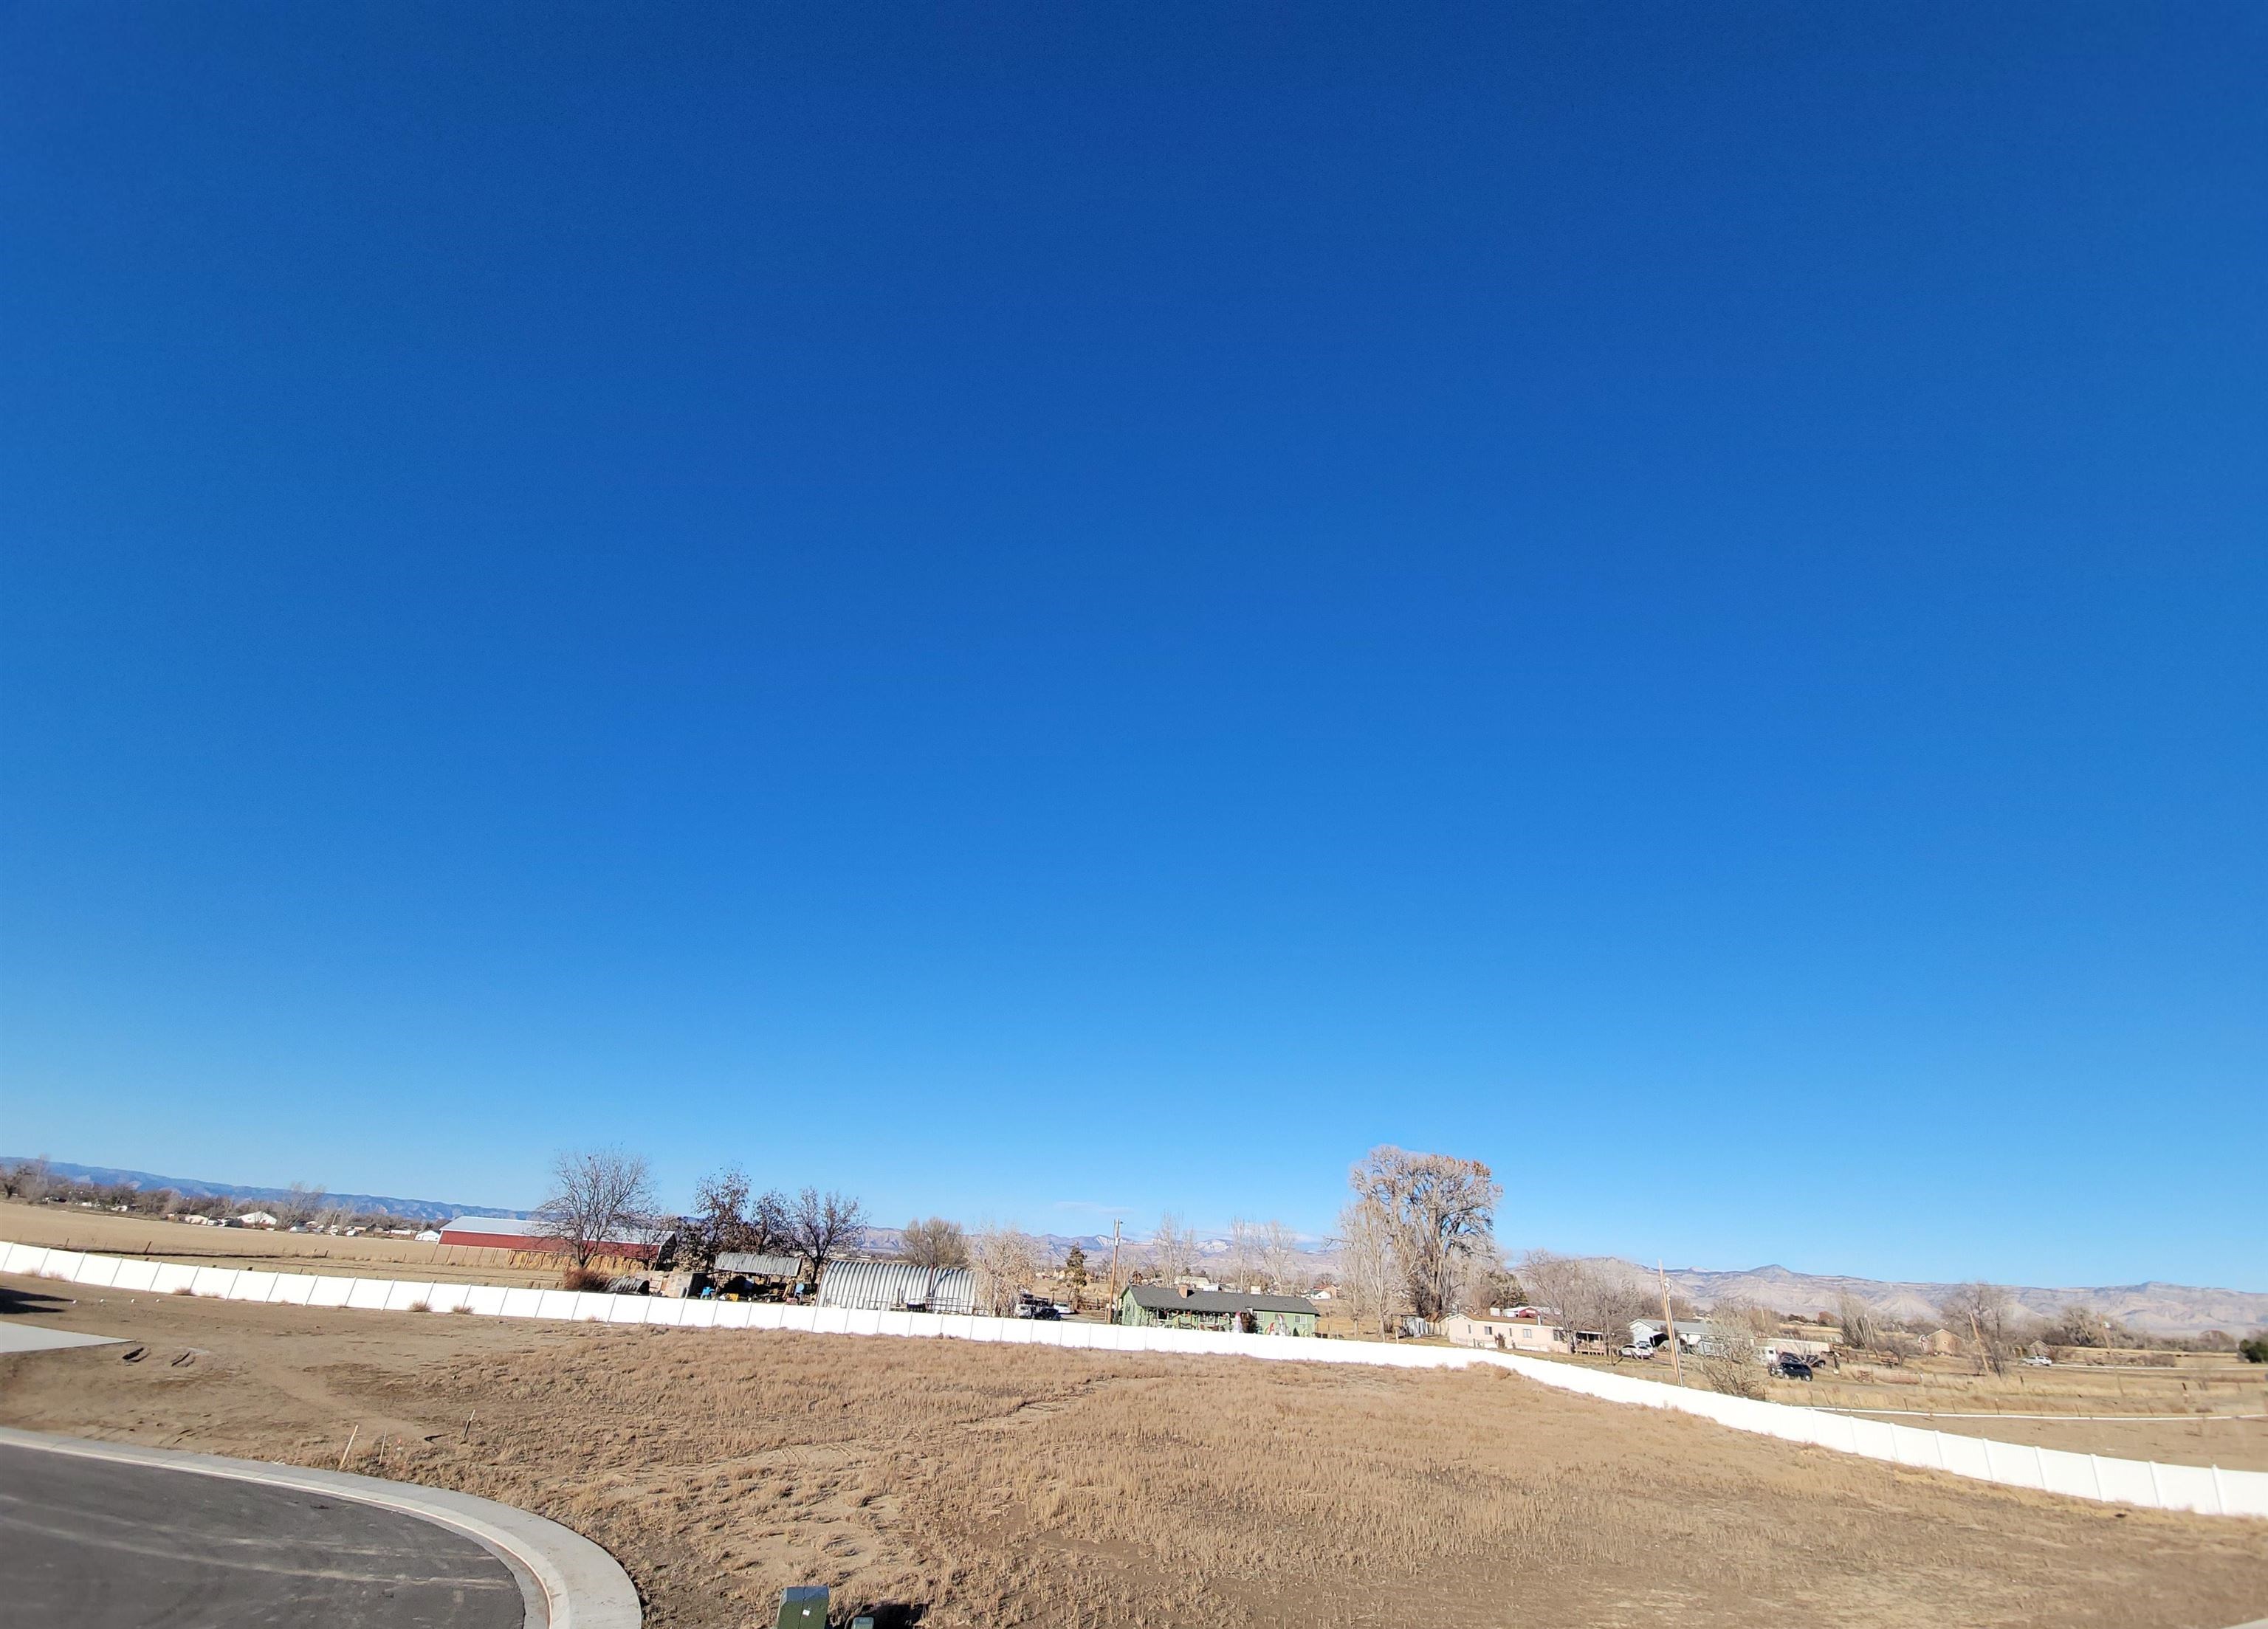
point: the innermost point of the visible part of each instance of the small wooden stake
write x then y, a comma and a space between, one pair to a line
349, 1448
468, 1428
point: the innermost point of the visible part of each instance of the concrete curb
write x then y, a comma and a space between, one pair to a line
579, 1585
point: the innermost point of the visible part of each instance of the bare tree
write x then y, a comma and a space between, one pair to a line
1441, 1209
1982, 1311
1369, 1273
27, 1179
1729, 1360
1861, 1330
936, 1243
1282, 1266
1243, 1265
597, 1196
1005, 1258
1173, 1249
719, 1222
1601, 1298
301, 1204
822, 1227
934, 1246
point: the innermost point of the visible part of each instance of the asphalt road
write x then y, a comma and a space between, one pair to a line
96, 1544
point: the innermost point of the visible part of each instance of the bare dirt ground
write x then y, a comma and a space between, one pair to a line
984, 1484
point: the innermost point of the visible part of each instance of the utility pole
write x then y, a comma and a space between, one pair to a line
1114, 1223
1669, 1324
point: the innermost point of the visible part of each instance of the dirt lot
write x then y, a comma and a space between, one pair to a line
986, 1485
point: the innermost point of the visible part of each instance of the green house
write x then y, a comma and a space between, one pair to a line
1174, 1306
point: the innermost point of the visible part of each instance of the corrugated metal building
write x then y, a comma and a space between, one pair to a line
892, 1285
757, 1266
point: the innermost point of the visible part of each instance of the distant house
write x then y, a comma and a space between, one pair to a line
1942, 1343
527, 1234
1186, 1307
895, 1287
256, 1219
1498, 1334
431, 1236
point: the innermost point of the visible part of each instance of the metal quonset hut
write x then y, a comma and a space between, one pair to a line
895, 1286
1178, 1306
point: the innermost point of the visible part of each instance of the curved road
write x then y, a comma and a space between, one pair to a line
100, 1544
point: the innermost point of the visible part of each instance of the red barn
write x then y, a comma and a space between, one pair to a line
526, 1233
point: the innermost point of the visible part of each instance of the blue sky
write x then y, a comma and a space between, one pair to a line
1061, 613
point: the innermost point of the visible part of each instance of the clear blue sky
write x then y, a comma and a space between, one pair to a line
1058, 611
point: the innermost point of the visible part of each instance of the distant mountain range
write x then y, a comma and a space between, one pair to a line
2155, 1307
197, 1187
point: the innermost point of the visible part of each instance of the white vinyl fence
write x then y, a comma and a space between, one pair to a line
2206, 1489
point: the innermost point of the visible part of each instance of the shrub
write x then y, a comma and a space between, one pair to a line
2254, 1349
582, 1277
419, 1306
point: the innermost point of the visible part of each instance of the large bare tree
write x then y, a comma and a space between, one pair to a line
1442, 1210
1282, 1266
597, 1195
823, 1227
1006, 1259
1243, 1265
1982, 1313
1369, 1274
936, 1243
1173, 1249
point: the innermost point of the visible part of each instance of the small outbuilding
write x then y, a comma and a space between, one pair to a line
897, 1286
1181, 1306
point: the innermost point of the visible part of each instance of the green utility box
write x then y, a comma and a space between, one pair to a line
803, 1607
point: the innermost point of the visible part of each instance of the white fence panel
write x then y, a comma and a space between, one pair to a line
254, 1284
699, 1315
735, 1314
214, 1281
100, 1272
520, 1301
293, 1289
369, 1294
2188, 1487
489, 1300
171, 1278
24, 1258
404, 1296
330, 1292
63, 1263
452, 1298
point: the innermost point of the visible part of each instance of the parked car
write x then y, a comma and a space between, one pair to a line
1046, 1312
1791, 1369
1637, 1351
2039, 1362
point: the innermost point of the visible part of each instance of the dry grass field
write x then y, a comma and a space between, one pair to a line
2190, 1402
2187, 1403
977, 1485
70, 1228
